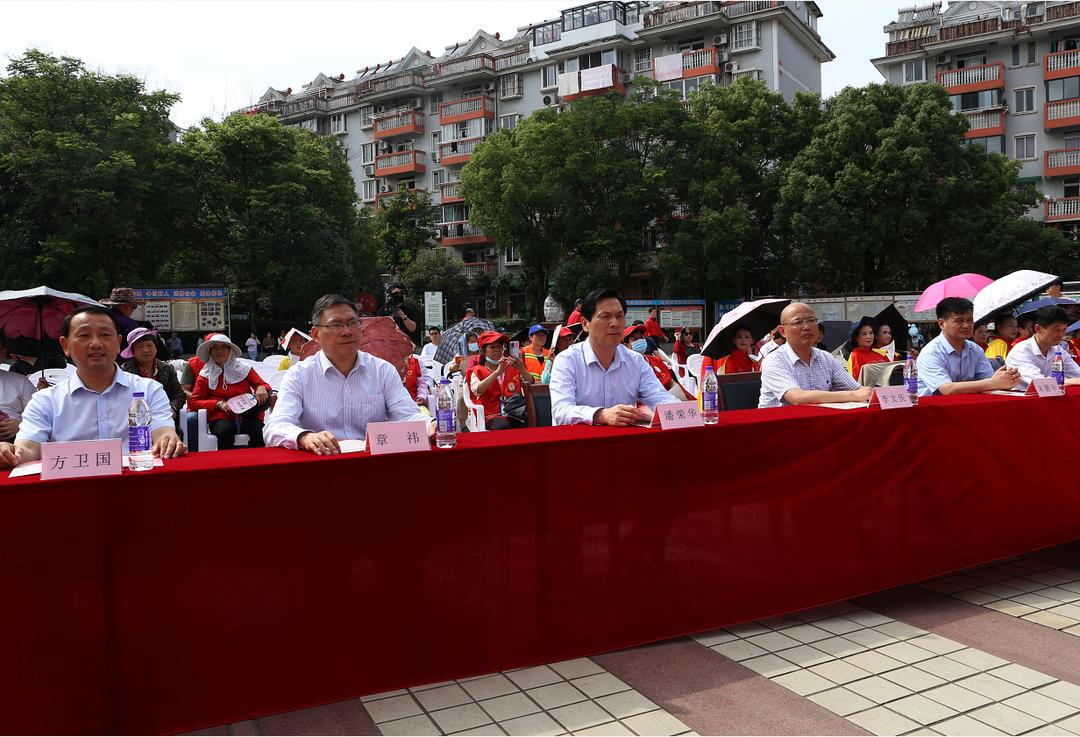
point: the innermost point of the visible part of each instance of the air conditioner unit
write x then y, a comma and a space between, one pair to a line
369, 170
731, 67
941, 59
719, 39
552, 100
489, 87
384, 188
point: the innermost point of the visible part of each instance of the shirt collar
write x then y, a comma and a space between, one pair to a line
791, 357
325, 365
119, 377
590, 356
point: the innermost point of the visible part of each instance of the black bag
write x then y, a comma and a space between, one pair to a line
513, 408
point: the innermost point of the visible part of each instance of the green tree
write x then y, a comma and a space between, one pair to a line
404, 224
81, 196
437, 269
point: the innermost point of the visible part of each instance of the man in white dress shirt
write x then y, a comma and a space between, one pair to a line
1032, 357
15, 393
600, 381
333, 395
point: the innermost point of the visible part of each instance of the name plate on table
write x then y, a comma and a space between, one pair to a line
679, 414
891, 397
397, 437
81, 458
1045, 386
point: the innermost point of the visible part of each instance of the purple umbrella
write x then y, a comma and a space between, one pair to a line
961, 285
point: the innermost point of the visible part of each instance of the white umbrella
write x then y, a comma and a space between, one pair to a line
759, 317
1009, 291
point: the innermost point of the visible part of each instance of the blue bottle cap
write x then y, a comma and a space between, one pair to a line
136, 394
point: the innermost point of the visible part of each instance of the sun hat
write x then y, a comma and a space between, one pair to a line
134, 337
203, 353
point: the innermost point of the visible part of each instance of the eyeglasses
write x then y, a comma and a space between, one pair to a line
802, 322
335, 326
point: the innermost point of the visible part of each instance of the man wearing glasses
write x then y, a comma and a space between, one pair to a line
333, 395
799, 373
952, 363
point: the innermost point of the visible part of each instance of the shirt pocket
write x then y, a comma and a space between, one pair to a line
370, 406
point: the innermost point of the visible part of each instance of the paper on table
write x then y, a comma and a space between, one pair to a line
32, 468
352, 446
1006, 393
843, 405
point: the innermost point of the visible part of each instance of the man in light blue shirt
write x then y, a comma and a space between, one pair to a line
951, 363
600, 381
93, 403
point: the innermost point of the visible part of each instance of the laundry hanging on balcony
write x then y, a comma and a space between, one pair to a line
568, 84
668, 68
597, 78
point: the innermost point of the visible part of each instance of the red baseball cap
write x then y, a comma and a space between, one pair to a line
630, 330
565, 331
491, 336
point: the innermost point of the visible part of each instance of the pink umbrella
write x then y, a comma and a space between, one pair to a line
961, 285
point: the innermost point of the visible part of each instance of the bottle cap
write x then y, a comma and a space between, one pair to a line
136, 394
444, 381
710, 370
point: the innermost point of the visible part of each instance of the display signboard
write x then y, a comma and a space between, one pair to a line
183, 308
433, 309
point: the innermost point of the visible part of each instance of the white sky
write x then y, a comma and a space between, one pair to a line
222, 55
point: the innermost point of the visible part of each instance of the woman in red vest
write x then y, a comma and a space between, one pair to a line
496, 380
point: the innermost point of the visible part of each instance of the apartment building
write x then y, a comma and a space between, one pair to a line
1013, 68
412, 123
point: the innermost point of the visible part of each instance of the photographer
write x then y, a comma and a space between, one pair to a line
404, 315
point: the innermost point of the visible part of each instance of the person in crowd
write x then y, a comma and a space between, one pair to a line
738, 360
862, 347
1074, 342
599, 381
562, 342
282, 345
122, 303
416, 383
252, 345
469, 313
951, 363
883, 341
92, 403
293, 342
1005, 331
460, 364
333, 395
493, 382
15, 393
223, 377
1054, 290
434, 338
1033, 357
1024, 331
820, 345
799, 373
634, 339
770, 343
175, 346
981, 336
534, 355
684, 347
405, 315
193, 366
25, 365
575, 314
268, 344
652, 327
141, 355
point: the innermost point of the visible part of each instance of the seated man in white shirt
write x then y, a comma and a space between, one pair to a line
435, 337
15, 393
600, 381
92, 404
1032, 357
333, 395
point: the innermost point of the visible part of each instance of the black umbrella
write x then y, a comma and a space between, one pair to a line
451, 337
759, 317
836, 332
891, 316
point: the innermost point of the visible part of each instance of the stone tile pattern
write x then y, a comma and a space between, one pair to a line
571, 697
891, 678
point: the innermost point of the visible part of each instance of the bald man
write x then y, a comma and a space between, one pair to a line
799, 373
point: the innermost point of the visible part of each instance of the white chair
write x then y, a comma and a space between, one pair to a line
197, 435
475, 420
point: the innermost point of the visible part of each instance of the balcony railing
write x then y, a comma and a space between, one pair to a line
461, 231
894, 48
397, 82
974, 77
971, 28
450, 191
401, 162
612, 83
702, 61
1066, 208
470, 107
733, 10
459, 151
1065, 10
476, 268
382, 197
1061, 162
301, 107
684, 12
1061, 64
476, 63
406, 122
981, 122
513, 60
1062, 113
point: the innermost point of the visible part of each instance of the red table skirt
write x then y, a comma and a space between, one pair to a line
235, 584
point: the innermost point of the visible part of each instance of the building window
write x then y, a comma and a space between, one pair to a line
1024, 100
436, 100
1015, 61
367, 187
745, 36
337, 123
974, 59
642, 58
510, 86
550, 76
1063, 89
367, 153
1032, 53
982, 100
365, 116
1071, 187
548, 33
990, 144
438, 176
914, 71
1024, 147
509, 122
435, 135
685, 86
512, 256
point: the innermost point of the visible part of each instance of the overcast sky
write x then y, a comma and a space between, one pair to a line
222, 55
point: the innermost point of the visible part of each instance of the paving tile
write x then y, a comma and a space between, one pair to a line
1050, 578
924, 732
976, 659
839, 672
769, 665
911, 677
841, 701
600, 684
395, 707
921, 709
839, 647
1073, 630
1063, 595
976, 597
868, 618
579, 667
487, 729
1006, 718
1041, 707
557, 694
580, 716
805, 655
1012, 608
773, 641
803, 682
244, 728
957, 698
1072, 724
880, 720
947, 668
936, 644
900, 631
534, 724
965, 726
1024, 584
1067, 610
1051, 729
738, 650
460, 718
426, 686
511, 706
1005, 592
878, 690
1039, 602
625, 704
748, 630
906, 652
870, 638
528, 678
1022, 676
657, 722
806, 633
384, 695
988, 685
873, 662
443, 698
1075, 586
1067, 693
489, 687
708, 639
611, 728
838, 625
409, 726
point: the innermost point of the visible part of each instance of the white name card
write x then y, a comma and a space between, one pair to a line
81, 458
1045, 386
241, 403
891, 397
397, 437
679, 414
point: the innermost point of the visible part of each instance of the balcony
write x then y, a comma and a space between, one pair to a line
397, 164
304, 108
985, 123
461, 233
478, 65
681, 14
972, 79
469, 108
702, 61
977, 27
457, 152
392, 125
382, 197
1061, 114
476, 268
592, 82
1060, 12
397, 83
450, 192
734, 10
1061, 162
1066, 208
1061, 64
512, 60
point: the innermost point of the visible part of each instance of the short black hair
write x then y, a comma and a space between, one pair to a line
65, 329
325, 302
1002, 316
653, 308
638, 322
435, 328
1050, 315
588, 305
954, 306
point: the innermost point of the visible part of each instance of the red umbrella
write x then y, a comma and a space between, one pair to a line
380, 337
961, 285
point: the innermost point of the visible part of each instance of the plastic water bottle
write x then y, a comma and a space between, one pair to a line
445, 424
710, 403
911, 379
1057, 368
139, 456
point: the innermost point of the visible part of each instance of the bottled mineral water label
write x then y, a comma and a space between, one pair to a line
445, 420
138, 439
